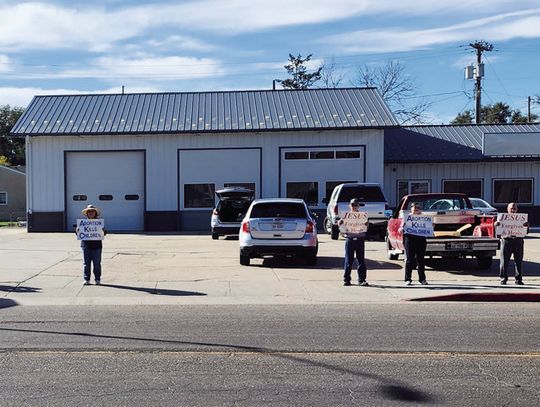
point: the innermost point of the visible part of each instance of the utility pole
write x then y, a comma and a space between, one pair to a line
480, 47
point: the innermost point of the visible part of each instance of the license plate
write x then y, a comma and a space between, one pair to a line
277, 226
458, 245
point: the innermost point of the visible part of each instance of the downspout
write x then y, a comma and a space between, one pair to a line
29, 200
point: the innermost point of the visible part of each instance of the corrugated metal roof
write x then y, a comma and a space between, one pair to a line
444, 143
150, 113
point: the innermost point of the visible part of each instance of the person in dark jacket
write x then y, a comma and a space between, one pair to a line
91, 250
415, 250
355, 244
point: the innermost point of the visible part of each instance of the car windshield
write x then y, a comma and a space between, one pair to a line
365, 193
278, 210
441, 204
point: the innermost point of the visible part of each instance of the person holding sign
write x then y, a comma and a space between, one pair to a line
90, 232
353, 225
512, 227
415, 230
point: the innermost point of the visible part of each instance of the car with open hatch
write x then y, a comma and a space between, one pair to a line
278, 227
231, 207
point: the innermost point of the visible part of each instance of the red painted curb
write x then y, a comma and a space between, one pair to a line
484, 297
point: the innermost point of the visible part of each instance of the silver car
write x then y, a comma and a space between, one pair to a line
229, 211
279, 226
483, 206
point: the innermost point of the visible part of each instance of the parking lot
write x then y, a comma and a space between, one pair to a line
46, 268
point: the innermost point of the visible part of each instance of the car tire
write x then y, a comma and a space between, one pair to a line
327, 226
215, 236
484, 262
244, 260
335, 232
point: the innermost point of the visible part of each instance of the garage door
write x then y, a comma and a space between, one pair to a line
311, 173
112, 181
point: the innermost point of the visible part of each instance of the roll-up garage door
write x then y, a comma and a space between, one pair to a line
112, 181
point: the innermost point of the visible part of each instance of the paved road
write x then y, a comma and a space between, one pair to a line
258, 355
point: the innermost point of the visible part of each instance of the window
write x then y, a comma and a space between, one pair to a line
199, 195
412, 187
330, 185
248, 185
296, 155
365, 193
131, 197
308, 191
80, 197
512, 190
3, 198
348, 154
105, 197
278, 210
321, 155
472, 188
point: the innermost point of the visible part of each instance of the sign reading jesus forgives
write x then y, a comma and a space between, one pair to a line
90, 229
512, 224
418, 225
353, 223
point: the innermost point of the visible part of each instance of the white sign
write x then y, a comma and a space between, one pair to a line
353, 223
511, 224
90, 229
418, 225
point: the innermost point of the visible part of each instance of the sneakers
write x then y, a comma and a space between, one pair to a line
423, 282
503, 281
519, 282
408, 282
347, 283
86, 282
98, 282
363, 283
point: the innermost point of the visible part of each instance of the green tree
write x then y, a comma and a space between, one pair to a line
300, 77
497, 113
11, 148
466, 117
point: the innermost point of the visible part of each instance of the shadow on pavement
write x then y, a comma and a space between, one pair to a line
19, 289
6, 303
469, 267
155, 291
389, 388
325, 262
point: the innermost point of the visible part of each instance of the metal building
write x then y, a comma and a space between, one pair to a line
152, 162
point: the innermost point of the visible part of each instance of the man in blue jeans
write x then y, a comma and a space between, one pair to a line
355, 244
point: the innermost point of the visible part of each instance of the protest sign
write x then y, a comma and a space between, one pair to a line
353, 223
90, 229
418, 225
511, 224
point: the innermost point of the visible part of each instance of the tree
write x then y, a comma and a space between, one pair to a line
11, 148
497, 113
331, 77
301, 78
396, 88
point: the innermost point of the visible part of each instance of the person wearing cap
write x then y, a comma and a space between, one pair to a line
354, 244
415, 250
91, 250
511, 246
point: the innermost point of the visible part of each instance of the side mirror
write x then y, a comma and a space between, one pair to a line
388, 213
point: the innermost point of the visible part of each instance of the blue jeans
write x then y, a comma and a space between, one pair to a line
353, 246
92, 256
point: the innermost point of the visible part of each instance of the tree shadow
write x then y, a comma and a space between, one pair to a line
391, 389
19, 289
155, 291
7, 302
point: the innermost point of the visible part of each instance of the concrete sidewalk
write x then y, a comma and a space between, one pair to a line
46, 269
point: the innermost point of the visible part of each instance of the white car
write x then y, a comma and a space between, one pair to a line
483, 206
279, 226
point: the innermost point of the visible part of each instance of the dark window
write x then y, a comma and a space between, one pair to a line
131, 197
472, 188
80, 197
321, 155
199, 195
278, 210
330, 185
412, 187
105, 197
3, 198
296, 155
308, 191
512, 190
366, 193
347, 154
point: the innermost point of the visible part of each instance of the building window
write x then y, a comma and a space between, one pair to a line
80, 197
512, 190
412, 187
348, 154
131, 197
105, 197
199, 195
321, 155
330, 185
308, 191
472, 188
3, 198
296, 155
248, 185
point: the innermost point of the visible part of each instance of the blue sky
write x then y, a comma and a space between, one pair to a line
64, 47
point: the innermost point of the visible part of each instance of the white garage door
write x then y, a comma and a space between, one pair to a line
112, 181
311, 173
202, 172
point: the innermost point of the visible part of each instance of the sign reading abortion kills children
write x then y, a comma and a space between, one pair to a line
511, 224
418, 225
90, 229
353, 223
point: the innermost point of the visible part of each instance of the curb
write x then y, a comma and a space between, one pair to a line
484, 297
